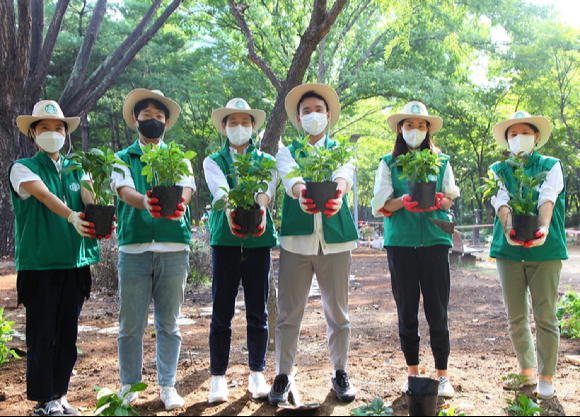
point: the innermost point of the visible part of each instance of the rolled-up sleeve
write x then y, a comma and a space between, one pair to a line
449, 188
271, 186
502, 198
346, 172
119, 180
384, 190
20, 174
552, 186
286, 164
215, 179
188, 181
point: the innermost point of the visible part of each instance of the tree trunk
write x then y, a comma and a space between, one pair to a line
272, 310
112, 125
85, 132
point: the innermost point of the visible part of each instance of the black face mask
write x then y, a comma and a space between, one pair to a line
151, 128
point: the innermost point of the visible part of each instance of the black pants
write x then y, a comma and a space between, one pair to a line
252, 268
53, 300
415, 271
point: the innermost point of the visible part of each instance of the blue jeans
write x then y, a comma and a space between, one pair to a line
144, 277
230, 266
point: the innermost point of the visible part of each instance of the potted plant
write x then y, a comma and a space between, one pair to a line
522, 201
164, 168
99, 163
316, 166
252, 177
418, 168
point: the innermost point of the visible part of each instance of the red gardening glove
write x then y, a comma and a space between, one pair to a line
541, 236
90, 226
385, 212
512, 241
263, 222
233, 226
113, 227
150, 205
306, 204
411, 205
180, 212
334, 206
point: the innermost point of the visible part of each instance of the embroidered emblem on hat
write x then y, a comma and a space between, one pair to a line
50, 109
74, 187
520, 115
241, 105
415, 109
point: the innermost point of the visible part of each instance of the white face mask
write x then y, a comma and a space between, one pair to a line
522, 143
414, 138
50, 142
315, 123
239, 135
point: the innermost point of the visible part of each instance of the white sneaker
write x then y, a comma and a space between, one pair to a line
129, 398
545, 390
68, 410
170, 398
51, 408
258, 386
445, 388
219, 390
406, 385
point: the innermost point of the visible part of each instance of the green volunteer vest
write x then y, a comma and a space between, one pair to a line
221, 235
45, 240
414, 230
137, 226
340, 228
555, 246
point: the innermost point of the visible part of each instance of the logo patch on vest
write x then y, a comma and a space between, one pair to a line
50, 109
415, 109
241, 105
74, 187
520, 115
433, 178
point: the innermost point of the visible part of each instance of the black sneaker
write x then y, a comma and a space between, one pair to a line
67, 409
280, 390
51, 408
344, 390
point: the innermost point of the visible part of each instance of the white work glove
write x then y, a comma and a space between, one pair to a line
306, 204
150, 206
83, 228
542, 235
334, 206
509, 235
262, 226
231, 222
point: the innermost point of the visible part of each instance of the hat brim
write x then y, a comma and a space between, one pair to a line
217, 117
24, 122
323, 90
542, 123
436, 122
141, 94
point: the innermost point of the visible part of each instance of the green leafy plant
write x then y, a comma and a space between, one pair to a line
522, 200
317, 164
109, 403
376, 408
569, 314
418, 166
523, 406
451, 412
251, 177
166, 166
6, 334
99, 163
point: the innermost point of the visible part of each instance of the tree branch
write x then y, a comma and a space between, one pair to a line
37, 11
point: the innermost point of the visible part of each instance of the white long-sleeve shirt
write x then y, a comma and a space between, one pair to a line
118, 181
216, 179
549, 190
310, 245
384, 190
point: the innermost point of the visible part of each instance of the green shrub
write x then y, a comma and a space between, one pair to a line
200, 262
6, 334
376, 408
569, 314
418, 166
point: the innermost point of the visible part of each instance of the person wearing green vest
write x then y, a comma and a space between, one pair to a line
153, 251
206, 219
418, 251
53, 256
532, 267
238, 258
313, 244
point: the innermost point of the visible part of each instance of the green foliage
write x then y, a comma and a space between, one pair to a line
251, 177
523, 406
569, 314
317, 164
166, 166
418, 166
376, 408
109, 403
514, 382
6, 333
450, 412
99, 164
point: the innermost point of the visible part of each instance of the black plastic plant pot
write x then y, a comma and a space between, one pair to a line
248, 219
423, 192
102, 217
525, 226
169, 198
320, 193
422, 396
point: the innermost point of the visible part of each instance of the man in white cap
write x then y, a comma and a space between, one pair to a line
153, 251
53, 256
313, 243
238, 257
533, 267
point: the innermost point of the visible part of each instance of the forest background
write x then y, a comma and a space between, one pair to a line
472, 62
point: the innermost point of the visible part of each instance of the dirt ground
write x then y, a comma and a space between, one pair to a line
481, 350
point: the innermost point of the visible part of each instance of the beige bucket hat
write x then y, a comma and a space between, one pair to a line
543, 125
237, 105
415, 110
46, 109
141, 94
322, 90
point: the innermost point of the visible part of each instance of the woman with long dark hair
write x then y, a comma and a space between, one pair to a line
418, 251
